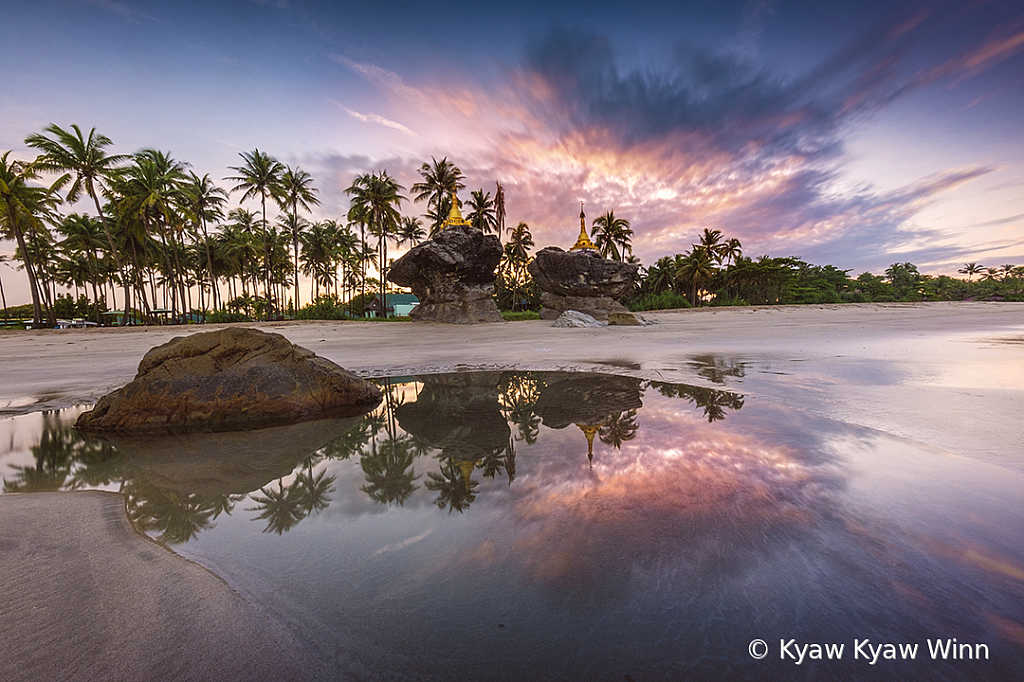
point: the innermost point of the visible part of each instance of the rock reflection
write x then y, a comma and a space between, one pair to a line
461, 416
594, 403
716, 368
464, 425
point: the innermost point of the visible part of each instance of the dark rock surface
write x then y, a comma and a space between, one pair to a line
582, 281
459, 414
452, 275
586, 399
230, 379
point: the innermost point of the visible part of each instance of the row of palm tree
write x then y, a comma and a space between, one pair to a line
161, 232
160, 229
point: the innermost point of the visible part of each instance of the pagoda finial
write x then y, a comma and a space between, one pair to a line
590, 430
583, 241
454, 215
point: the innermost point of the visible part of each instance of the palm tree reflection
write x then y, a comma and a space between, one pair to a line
466, 422
712, 401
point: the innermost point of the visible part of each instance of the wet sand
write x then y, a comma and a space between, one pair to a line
950, 375
87, 598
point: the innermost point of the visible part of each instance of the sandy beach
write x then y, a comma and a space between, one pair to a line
947, 375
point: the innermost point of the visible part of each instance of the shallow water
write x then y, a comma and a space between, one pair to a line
465, 530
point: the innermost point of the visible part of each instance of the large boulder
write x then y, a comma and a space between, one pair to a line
231, 379
583, 281
452, 275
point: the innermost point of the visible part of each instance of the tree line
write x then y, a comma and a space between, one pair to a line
715, 272
167, 242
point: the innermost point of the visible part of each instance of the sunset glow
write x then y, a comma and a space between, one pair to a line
854, 135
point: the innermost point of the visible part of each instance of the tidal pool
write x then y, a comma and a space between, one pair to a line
554, 526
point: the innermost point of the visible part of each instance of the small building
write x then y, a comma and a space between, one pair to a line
398, 305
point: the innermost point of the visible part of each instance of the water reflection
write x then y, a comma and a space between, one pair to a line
464, 502
177, 485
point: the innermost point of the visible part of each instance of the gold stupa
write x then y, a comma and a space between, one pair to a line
590, 430
583, 241
454, 215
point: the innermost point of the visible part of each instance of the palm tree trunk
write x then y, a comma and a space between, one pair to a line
106, 227
43, 285
3, 299
37, 311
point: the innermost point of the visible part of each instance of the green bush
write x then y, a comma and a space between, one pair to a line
520, 315
221, 316
666, 300
323, 308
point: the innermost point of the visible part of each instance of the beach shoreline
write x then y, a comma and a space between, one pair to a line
946, 373
949, 375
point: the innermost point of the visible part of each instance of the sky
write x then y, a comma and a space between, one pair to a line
857, 134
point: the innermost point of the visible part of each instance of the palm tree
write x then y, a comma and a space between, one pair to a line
618, 429
440, 179
612, 236
499, 207
3, 298
260, 176
239, 245
379, 196
150, 188
21, 208
390, 478
970, 269
481, 214
319, 254
296, 190
204, 202
411, 231
661, 276
357, 215
82, 238
694, 270
711, 241
85, 157
281, 508
732, 250
516, 255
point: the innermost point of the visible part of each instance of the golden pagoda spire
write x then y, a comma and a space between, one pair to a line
454, 215
583, 241
466, 466
590, 430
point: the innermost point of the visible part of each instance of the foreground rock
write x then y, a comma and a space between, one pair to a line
582, 281
452, 275
231, 379
574, 318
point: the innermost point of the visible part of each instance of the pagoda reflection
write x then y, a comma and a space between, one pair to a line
602, 405
460, 415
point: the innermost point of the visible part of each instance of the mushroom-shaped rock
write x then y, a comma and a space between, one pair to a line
230, 379
583, 281
452, 275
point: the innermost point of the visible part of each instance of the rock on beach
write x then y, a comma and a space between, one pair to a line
452, 275
229, 379
582, 281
